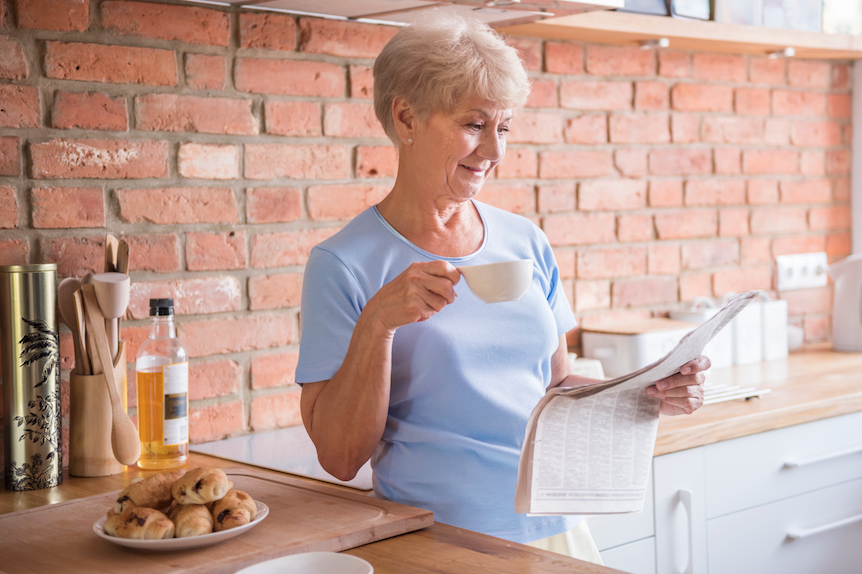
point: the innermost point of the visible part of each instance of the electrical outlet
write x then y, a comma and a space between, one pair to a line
801, 271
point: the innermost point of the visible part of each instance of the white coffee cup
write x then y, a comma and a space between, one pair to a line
498, 282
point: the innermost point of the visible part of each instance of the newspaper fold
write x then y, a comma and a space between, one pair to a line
588, 449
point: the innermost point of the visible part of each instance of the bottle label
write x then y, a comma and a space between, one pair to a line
176, 388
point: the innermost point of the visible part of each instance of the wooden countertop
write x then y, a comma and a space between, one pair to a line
814, 383
439, 548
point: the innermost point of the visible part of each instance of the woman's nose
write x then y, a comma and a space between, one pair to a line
492, 146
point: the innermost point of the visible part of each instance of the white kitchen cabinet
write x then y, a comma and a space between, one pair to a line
734, 507
626, 541
680, 513
759, 540
635, 557
765, 467
612, 530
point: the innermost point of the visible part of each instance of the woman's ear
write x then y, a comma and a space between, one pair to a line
405, 120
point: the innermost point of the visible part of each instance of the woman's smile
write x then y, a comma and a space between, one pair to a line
475, 171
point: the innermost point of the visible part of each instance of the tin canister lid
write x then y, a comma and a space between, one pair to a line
34, 268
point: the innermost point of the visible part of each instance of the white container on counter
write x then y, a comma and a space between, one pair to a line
590, 368
626, 347
720, 349
774, 321
747, 333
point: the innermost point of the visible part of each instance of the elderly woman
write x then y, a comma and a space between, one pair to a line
399, 361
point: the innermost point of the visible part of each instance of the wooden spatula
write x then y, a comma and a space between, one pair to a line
125, 441
112, 245
81, 326
66, 304
122, 267
123, 257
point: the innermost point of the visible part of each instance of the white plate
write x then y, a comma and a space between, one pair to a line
312, 562
182, 543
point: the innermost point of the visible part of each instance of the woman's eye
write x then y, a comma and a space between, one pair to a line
475, 126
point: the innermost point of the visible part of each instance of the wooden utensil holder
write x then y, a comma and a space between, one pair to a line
90, 452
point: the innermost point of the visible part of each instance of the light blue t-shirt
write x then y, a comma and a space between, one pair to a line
464, 382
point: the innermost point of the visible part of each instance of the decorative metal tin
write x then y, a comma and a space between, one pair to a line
30, 359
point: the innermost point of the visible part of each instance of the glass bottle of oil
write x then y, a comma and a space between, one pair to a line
162, 369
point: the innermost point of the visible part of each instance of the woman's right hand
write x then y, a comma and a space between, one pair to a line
417, 294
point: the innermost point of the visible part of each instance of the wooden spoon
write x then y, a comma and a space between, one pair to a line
95, 364
125, 441
123, 257
86, 337
66, 302
122, 267
111, 248
112, 292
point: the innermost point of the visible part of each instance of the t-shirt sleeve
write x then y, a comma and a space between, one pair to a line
331, 303
556, 293
560, 305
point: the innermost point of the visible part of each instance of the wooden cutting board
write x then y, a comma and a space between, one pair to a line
303, 517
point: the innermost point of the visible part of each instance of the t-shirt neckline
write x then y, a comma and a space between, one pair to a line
430, 255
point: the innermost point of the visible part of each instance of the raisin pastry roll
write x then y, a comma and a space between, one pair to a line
201, 485
191, 520
152, 492
140, 523
236, 508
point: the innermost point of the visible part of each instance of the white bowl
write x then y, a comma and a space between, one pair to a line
498, 282
312, 563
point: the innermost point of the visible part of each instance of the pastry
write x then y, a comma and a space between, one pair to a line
236, 508
140, 523
191, 520
152, 492
201, 485
111, 522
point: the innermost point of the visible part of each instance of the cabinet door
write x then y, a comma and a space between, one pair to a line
760, 540
635, 558
765, 467
680, 512
610, 530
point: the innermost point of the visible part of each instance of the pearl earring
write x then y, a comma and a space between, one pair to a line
409, 140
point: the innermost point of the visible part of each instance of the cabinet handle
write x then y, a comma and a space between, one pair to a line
822, 458
685, 499
800, 534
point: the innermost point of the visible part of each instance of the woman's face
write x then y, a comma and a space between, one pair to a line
458, 150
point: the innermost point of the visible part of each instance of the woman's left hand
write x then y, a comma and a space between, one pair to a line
682, 394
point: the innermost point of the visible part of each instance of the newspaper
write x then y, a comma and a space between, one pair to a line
588, 449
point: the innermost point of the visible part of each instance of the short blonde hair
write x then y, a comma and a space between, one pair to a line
441, 59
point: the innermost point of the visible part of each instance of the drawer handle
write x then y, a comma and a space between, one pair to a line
822, 458
800, 534
685, 499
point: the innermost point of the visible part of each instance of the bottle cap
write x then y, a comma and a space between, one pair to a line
160, 307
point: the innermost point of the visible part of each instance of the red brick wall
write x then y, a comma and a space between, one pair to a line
223, 144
